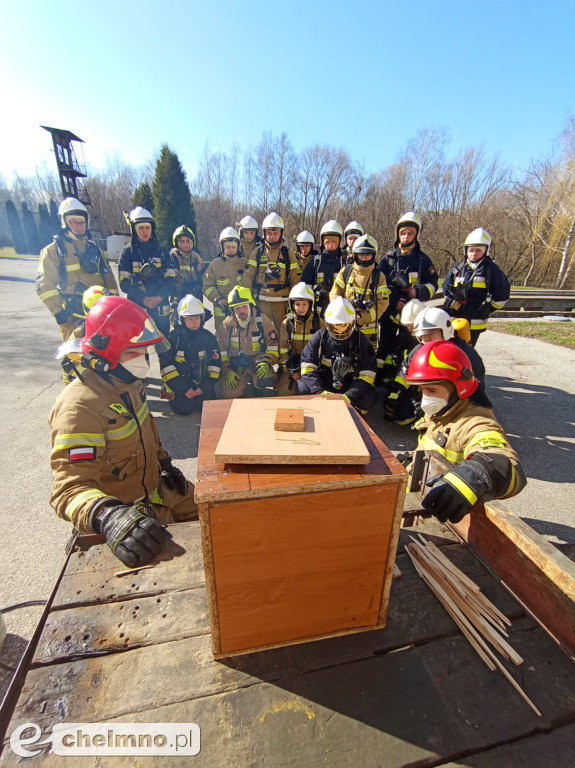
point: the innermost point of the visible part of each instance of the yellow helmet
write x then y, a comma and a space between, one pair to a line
240, 295
91, 295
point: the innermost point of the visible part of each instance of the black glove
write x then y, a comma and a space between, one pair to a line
448, 502
173, 477
62, 317
132, 536
390, 406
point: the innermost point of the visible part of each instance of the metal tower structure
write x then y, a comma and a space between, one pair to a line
72, 173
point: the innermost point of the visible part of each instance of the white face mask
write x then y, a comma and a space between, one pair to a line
137, 366
432, 405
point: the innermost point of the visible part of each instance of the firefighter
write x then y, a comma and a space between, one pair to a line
476, 287
224, 272
364, 286
351, 234
403, 342
111, 473
305, 246
272, 271
147, 274
69, 265
461, 427
250, 239
187, 263
410, 274
297, 329
192, 366
320, 271
401, 402
339, 358
248, 344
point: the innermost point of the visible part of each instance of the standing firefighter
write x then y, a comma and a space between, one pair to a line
147, 274
364, 286
111, 473
192, 365
250, 240
339, 358
351, 233
305, 246
187, 263
321, 270
297, 329
224, 272
248, 344
458, 425
476, 287
272, 271
69, 265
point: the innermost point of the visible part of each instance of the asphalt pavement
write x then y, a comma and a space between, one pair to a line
531, 383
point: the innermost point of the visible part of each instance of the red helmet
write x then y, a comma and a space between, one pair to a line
114, 324
442, 361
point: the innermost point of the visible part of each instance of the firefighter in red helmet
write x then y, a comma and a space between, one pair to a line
111, 473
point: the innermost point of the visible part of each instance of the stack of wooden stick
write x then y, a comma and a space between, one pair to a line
481, 622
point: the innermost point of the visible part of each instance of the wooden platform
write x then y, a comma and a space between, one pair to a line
137, 649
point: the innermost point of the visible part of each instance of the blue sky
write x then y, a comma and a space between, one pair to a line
365, 76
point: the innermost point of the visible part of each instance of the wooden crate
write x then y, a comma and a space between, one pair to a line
295, 553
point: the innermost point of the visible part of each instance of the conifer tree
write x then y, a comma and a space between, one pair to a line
30, 230
18, 239
143, 196
172, 199
54, 216
46, 229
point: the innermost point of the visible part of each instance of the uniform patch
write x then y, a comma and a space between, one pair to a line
431, 270
118, 408
491, 442
87, 453
273, 335
215, 356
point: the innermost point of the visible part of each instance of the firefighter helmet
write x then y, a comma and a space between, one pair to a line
240, 295
305, 237
189, 306
431, 319
340, 318
479, 236
410, 311
331, 227
140, 215
354, 227
248, 222
273, 221
229, 233
183, 231
443, 361
91, 295
72, 207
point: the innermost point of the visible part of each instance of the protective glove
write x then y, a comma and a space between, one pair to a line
62, 317
232, 379
454, 492
390, 406
173, 477
262, 370
133, 537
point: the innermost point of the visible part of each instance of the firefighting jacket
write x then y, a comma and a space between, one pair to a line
222, 274
188, 273
484, 290
105, 447
469, 432
193, 358
294, 335
146, 270
258, 341
416, 268
319, 367
249, 249
266, 287
66, 268
366, 289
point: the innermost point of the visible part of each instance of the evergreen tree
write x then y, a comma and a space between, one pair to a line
54, 216
143, 196
18, 239
46, 229
30, 230
172, 199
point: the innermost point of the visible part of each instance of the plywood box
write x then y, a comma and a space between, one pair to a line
296, 553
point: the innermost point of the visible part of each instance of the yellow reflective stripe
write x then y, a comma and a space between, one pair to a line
73, 505
72, 267
431, 288
511, 489
339, 282
498, 304
402, 381
62, 442
478, 325
124, 275
479, 283
155, 498
490, 436
225, 357
367, 377
308, 368
224, 281
461, 486
428, 444
209, 291
393, 396
129, 428
170, 376
49, 294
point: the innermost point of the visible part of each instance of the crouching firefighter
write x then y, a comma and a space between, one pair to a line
459, 425
297, 329
69, 265
339, 358
111, 473
248, 344
192, 365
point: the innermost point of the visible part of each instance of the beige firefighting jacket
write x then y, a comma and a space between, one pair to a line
105, 445
233, 340
301, 333
273, 290
221, 276
360, 286
189, 268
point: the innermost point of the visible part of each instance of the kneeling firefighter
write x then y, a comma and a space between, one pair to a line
339, 358
248, 344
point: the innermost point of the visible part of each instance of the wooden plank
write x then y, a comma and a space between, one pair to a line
330, 435
289, 420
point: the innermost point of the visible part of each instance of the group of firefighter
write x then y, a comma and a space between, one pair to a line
335, 319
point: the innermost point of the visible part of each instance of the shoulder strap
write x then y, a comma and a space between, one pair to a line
260, 325
347, 273
62, 273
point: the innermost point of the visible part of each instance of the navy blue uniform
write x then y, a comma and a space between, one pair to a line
320, 272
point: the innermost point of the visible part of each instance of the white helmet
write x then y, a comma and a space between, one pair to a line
189, 306
302, 291
411, 218
432, 318
365, 244
331, 227
70, 207
248, 222
410, 311
141, 216
340, 318
305, 237
273, 221
352, 227
479, 236
229, 233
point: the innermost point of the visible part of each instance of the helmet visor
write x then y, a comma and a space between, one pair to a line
148, 336
340, 331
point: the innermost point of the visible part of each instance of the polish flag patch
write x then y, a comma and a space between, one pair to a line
82, 454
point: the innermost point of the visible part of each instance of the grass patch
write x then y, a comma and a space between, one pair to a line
562, 334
